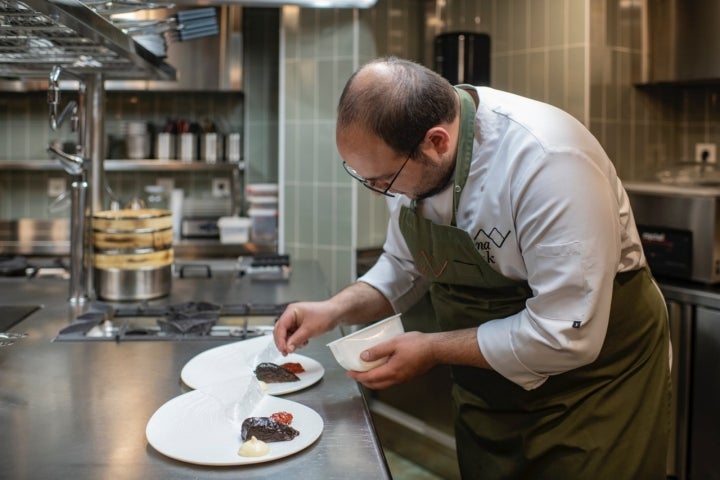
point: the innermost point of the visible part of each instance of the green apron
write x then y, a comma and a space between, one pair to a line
606, 420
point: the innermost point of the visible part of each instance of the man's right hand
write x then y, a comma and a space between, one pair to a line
299, 323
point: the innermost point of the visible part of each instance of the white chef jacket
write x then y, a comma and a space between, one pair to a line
544, 204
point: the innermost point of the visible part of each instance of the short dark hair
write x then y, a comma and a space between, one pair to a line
399, 109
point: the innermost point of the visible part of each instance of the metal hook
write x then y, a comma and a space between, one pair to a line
54, 100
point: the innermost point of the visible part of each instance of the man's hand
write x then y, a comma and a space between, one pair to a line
412, 354
409, 356
359, 303
300, 322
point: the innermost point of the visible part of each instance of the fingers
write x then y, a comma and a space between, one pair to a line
381, 350
377, 379
288, 332
285, 326
293, 346
293, 341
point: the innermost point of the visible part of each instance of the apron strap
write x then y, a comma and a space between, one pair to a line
465, 145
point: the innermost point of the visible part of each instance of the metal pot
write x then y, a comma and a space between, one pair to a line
117, 284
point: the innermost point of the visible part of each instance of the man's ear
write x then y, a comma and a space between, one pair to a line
439, 138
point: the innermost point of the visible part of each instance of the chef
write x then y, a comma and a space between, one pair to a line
510, 214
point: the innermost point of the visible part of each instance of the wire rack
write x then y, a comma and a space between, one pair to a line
36, 35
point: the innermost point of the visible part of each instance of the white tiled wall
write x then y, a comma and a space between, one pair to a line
317, 57
326, 216
580, 55
261, 40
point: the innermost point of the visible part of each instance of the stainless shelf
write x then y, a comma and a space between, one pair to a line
183, 249
149, 165
204, 249
37, 237
36, 35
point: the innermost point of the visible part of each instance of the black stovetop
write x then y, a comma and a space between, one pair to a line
180, 322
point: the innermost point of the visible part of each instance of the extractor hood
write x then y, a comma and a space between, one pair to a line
281, 3
37, 35
681, 42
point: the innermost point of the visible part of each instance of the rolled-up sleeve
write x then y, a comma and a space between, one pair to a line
394, 274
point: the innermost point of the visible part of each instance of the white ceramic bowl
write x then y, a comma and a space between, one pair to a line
347, 349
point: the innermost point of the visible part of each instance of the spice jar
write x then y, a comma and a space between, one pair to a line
157, 196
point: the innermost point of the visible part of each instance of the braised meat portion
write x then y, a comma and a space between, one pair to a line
272, 373
267, 429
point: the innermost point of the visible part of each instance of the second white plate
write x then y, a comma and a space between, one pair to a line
235, 359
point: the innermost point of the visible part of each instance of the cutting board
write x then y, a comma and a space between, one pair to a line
11, 315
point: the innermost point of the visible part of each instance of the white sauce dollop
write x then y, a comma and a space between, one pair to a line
253, 448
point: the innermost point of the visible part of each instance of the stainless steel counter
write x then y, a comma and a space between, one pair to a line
79, 409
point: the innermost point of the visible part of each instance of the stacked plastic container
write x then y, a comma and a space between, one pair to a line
262, 201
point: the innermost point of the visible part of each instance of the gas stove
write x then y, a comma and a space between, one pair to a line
181, 322
21, 266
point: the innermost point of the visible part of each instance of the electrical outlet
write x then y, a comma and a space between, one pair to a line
705, 153
167, 183
220, 187
56, 186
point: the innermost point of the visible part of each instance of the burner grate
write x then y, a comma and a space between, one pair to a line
179, 322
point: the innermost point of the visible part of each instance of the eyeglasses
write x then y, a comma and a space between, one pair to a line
371, 183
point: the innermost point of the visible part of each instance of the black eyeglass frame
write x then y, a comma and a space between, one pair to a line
369, 183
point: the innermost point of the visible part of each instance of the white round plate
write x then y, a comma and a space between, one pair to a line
235, 359
193, 428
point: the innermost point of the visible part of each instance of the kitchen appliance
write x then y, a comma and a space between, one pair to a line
200, 215
20, 266
200, 227
179, 322
13, 266
680, 42
463, 57
270, 266
679, 227
154, 34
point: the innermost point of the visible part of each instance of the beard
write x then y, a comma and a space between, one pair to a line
436, 178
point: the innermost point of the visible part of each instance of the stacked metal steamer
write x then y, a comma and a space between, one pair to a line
133, 253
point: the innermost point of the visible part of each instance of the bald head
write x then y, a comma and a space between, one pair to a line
397, 101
